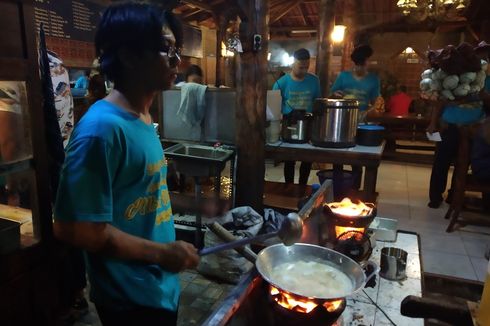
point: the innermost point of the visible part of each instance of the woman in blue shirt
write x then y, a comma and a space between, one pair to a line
358, 84
361, 85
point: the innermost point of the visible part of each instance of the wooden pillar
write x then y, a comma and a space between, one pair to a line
220, 37
349, 20
251, 92
485, 31
325, 28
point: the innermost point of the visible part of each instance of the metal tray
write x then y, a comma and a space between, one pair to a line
385, 229
9, 236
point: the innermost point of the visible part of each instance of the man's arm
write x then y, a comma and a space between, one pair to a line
104, 239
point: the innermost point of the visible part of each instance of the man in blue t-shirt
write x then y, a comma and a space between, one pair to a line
113, 199
298, 90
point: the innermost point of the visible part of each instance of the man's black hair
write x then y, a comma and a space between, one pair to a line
87, 73
403, 88
360, 54
301, 54
193, 70
134, 26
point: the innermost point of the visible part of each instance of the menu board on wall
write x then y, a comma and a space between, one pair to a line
70, 28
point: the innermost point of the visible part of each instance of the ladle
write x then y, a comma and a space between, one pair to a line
290, 232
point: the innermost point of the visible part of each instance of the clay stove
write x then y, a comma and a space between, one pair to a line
345, 228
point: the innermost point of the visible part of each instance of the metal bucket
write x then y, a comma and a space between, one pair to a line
334, 123
393, 264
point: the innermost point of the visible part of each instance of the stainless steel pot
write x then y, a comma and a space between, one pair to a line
278, 254
334, 123
296, 127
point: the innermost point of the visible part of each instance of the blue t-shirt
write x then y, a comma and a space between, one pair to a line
487, 84
463, 114
115, 172
298, 95
364, 90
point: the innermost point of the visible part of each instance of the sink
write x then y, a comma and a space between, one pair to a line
199, 160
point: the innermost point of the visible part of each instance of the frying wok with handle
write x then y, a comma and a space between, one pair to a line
275, 255
290, 231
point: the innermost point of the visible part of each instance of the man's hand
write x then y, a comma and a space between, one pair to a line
178, 256
432, 128
338, 94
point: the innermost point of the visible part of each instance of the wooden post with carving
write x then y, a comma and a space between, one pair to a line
251, 89
325, 28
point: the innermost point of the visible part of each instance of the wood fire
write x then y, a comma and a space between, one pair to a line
300, 304
347, 208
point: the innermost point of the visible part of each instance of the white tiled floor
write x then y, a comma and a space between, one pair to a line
403, 195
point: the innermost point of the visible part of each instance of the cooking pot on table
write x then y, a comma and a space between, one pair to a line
278, 254
296, 127
334, 122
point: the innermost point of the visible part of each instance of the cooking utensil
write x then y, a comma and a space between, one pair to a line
370, 135
334, 123
393, 264
296, 127
278, 254
290, 231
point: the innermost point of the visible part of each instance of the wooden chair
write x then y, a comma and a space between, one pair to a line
463, 182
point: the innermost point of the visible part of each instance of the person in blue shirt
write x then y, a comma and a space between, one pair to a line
82, 81
358, 84
113, 198
446, 117
361, 85
298, 89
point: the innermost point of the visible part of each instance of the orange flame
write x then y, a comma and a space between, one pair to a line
339, 230
298, 304
331, 306
347, 208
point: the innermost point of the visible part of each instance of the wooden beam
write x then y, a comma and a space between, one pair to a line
290, 6
325, 28
199, 4
278, 29
251, 94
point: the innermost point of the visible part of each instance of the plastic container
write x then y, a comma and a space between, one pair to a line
342, 182
370, 135
273, 131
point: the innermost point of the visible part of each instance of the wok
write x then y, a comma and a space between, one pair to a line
278, 254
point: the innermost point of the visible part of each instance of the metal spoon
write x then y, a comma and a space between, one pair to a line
290, 232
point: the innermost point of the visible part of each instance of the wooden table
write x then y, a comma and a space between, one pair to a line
366, 156
412, 128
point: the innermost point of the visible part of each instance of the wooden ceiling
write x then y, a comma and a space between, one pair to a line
299, 18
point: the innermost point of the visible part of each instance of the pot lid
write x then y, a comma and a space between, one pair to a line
340, 103
371, 127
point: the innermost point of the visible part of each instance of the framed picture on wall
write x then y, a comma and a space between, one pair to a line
15, 140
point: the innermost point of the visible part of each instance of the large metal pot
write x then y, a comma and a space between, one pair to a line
296, 127
278, 254
334, 123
